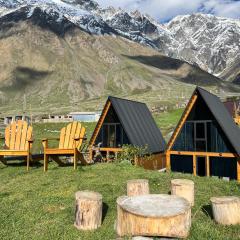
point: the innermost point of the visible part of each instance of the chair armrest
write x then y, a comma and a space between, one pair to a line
51, 138
78, 138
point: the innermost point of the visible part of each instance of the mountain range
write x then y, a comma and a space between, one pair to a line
61, 53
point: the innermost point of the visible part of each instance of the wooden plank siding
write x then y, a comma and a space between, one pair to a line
153, 162
178, 128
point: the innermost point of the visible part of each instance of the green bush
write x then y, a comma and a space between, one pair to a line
130, 152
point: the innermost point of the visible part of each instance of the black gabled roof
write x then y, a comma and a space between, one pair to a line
223, 117
138, 123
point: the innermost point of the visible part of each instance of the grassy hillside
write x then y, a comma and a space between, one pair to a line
78, 71
37, 205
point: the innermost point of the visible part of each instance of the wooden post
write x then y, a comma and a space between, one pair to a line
226, 210
238, 170
137, 187
207, 166
168, 162
194, 165
88, 214
153, 215
183, 188
75, 157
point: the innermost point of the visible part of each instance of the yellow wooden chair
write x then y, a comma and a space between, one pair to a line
18, 141
70, 143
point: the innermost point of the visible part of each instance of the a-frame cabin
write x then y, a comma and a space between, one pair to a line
127, 122
206, 141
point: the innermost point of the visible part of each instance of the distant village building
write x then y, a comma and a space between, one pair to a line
10, 119
85, 116
73, 116
56, 118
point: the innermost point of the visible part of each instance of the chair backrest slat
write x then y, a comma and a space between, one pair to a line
24, 136
82, 134
16, 135
7, 136
68, 133
29, 136
75, 126
62, 138
12, 135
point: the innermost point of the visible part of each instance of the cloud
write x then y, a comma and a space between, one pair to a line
164, 10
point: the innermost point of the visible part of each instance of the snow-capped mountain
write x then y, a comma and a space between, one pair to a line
213, 43
210, 42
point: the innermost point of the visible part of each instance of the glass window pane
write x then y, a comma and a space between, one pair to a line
200, 130
118, 135
105, 136
111, 136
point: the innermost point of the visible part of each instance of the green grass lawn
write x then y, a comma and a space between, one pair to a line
38, 205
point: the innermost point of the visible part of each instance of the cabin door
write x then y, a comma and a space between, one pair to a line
201, 166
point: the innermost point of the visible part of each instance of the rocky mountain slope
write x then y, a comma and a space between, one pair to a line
68, 55
212, 43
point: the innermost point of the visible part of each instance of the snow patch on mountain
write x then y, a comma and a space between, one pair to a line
210, 42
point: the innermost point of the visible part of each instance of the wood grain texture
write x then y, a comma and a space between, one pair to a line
226, 210
137, 187
88, 213
18, 140
183, 188
70, 142
153, 215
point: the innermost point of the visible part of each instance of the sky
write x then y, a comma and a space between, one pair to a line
164, 10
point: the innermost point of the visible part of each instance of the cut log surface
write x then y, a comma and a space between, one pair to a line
226, 210
88, 215
153, 215
183, 188
137, 187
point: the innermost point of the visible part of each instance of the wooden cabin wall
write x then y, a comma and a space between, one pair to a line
153, 162
181, 163
223, 167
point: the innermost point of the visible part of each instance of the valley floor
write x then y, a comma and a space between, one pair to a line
38, 205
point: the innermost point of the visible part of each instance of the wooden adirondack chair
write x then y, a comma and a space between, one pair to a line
70, 143
18, 141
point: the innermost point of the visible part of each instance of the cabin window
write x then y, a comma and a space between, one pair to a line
112, 135
202, 136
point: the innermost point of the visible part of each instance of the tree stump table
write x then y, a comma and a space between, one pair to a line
88, 214
183, 188
137, 187
226, 210
153, 215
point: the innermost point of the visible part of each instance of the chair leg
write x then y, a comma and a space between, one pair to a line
28, 161
75, 159
45, 162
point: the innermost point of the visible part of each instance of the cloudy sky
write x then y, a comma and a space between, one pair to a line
164, 10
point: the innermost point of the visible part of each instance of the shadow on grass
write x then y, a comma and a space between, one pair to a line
104, 211
207, 210
22, 163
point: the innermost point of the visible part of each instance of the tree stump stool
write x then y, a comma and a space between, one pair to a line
226, 210
183, 188
137, 187
153, 215
88, 214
